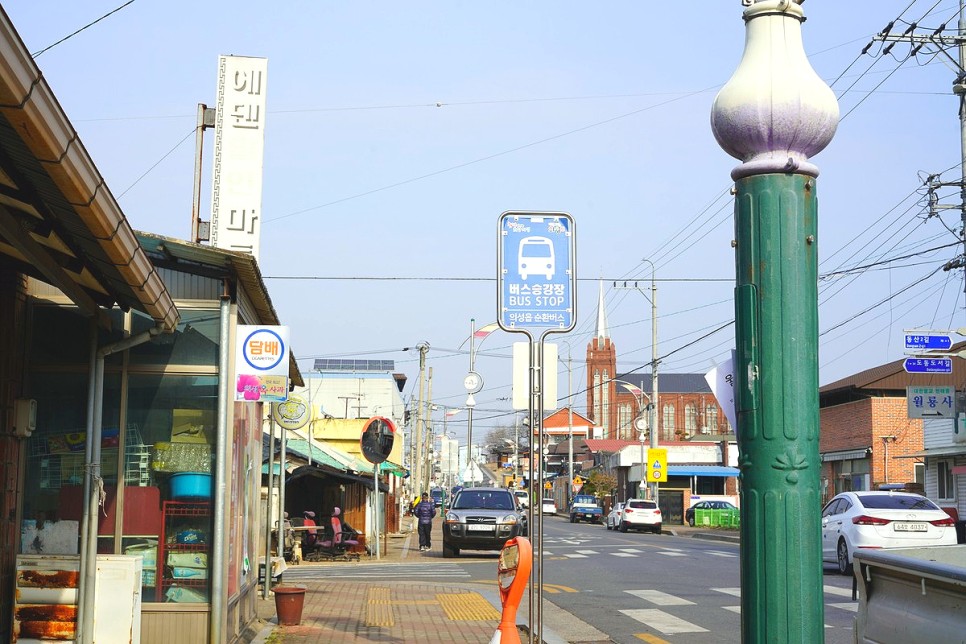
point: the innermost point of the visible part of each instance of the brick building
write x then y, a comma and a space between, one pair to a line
867, 438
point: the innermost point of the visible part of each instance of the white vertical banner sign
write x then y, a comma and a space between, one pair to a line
236, 191
721, 379
261, 363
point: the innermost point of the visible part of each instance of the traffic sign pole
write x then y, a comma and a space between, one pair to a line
536, 290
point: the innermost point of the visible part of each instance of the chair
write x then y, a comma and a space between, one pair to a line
336, 541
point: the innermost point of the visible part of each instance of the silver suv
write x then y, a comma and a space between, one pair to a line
481, 518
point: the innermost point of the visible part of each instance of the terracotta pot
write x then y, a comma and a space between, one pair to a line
288, 604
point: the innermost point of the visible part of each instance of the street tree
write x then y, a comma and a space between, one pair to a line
599, 483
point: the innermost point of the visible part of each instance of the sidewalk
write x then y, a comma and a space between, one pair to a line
341, 611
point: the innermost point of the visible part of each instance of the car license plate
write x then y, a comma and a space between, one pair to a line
910, 527
480, 528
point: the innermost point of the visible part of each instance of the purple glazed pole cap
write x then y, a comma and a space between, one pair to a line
775, 112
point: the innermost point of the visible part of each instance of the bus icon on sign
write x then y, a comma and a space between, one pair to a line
536, 256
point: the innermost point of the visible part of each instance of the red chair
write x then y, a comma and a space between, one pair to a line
336, 542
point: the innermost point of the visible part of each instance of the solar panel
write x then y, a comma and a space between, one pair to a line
350, 364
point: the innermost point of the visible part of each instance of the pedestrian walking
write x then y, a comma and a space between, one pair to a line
425, 511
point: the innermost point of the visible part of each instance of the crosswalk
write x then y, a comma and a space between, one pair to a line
362, 572
672, 613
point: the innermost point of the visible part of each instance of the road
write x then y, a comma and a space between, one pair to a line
632, 587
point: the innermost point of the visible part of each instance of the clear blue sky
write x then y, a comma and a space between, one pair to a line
398, 132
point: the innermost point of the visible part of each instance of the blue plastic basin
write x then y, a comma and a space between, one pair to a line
190, 485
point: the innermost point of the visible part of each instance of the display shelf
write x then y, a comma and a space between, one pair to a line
178, 516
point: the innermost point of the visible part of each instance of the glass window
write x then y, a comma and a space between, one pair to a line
896, 502
690, 419
944, 479
168, 519
669, 422
711, 419
194, 342
54, 479
61, 335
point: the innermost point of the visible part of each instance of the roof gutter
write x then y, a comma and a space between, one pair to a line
29, 104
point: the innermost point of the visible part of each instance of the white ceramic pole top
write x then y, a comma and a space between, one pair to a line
775, 112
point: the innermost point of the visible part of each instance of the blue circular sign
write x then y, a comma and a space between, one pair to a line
263, 354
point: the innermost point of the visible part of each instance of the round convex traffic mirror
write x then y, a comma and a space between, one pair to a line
377, 439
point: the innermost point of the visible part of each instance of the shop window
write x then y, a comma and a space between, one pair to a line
194, 342
61, 335
54, 477
171, 525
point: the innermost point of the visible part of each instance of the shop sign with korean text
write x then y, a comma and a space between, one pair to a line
931, 402
261, 363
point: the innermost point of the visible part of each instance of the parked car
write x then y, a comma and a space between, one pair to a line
707, 505
438, 496
639, 514
549, 506
613, 518
881, 520
523, 498
481, 518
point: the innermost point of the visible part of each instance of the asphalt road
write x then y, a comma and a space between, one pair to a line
640, 586
633, 587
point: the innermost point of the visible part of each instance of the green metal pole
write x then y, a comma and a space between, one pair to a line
776, 306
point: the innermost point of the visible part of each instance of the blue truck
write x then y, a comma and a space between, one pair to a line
586, 508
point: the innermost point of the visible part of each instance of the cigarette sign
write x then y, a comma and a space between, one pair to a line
261, 363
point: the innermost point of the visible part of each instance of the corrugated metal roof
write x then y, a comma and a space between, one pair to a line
189, 257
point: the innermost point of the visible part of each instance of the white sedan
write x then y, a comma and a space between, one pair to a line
614, 516
881, 520
549, 506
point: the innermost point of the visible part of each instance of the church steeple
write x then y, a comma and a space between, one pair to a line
601, 315
601, 371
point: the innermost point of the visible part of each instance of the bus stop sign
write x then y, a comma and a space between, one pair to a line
536, 276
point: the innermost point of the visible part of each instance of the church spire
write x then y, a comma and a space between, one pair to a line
601, 314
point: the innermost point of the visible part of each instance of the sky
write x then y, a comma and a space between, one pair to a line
397, 133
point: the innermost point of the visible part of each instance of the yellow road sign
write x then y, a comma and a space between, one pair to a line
547, 486
657, 465
578, 480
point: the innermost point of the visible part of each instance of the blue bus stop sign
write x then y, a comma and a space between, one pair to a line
536, 275
928, 365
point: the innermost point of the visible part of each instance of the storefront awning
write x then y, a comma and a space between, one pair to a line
701, 470
846, 454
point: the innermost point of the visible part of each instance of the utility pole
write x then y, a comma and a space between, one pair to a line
774, 114
941, 42
423, 348
429, 437
570, 428
652, 486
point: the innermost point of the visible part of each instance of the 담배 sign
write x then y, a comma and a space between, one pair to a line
261, 363
536, 274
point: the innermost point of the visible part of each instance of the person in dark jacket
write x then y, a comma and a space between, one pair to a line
425, 511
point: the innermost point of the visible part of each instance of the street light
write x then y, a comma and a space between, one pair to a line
640, 423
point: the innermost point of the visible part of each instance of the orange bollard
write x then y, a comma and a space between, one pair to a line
513, 573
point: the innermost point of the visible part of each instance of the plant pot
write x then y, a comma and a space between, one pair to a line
288, 604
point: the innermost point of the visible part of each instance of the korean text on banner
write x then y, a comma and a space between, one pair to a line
721, 379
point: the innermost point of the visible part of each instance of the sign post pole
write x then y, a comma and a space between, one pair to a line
536, 290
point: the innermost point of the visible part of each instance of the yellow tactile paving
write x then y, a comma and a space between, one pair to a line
467, 607
378, 607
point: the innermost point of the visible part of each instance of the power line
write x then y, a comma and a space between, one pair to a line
91, 24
